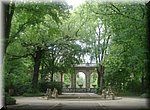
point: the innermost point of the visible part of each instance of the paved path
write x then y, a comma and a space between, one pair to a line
86, 101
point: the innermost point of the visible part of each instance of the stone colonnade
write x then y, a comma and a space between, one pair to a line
87, 73
86, 69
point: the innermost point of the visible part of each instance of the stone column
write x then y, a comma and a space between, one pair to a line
87, 79
73, 80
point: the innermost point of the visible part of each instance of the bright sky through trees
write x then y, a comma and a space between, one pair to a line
75, 3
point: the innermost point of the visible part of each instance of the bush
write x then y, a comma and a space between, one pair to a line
21, 89
134, 86
98, 91
128, 93
31, 90
145, 95
33, 94
9, 100
44, 85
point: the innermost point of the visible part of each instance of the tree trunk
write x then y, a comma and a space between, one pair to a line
61, 78
52, 75
142, 84
61, 81
8, 14
52, 63
148, 32
42, 73
100, 72
37, 61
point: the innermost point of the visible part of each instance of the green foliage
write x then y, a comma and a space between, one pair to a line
33, 94
20, 89
29, 32
67, 79
61, 57
133, 86
43, 85
30, 92
16, 75
9, 100
145, 95
124, 55
129, 94
114, 35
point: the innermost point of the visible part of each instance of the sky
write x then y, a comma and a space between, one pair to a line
75, 3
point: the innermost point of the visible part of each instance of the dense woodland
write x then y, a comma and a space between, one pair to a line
43, 39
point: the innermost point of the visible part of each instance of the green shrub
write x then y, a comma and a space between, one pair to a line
44, 85
145, 95
26, 88
33, 94
128, 93
31, 90
133, 86
9, 100
21, 89
98, 91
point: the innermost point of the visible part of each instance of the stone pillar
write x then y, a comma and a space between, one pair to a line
87, 79
73, 80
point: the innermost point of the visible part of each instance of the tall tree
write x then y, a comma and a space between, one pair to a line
35, 38
111, 27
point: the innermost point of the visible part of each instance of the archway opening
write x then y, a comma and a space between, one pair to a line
57, 77
67, 80
93, 80
80, 80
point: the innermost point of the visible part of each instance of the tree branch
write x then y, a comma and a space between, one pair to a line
119, 12
21, 28
116, 12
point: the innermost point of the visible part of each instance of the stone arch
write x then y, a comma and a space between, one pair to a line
80, 80
87, 70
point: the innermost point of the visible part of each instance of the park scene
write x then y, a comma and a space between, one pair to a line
69, 54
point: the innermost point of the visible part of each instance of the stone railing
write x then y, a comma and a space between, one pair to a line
80, 90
